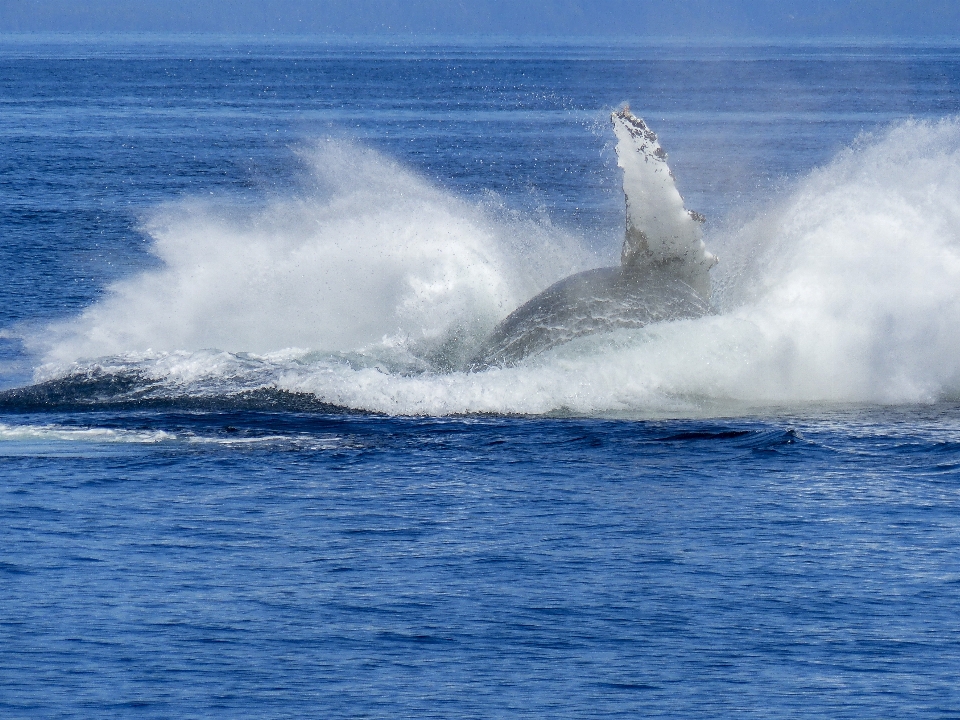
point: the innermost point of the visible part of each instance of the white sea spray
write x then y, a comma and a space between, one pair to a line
846, 289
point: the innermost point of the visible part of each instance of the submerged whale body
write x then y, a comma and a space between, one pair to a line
662, 276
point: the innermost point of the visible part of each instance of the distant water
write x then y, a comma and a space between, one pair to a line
242, 471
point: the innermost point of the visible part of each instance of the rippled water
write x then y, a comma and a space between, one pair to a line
252, 564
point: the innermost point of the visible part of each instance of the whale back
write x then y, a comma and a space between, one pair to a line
586, 303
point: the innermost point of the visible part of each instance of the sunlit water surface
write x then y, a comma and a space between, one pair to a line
243, 472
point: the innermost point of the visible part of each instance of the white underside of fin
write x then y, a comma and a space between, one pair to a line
660, 230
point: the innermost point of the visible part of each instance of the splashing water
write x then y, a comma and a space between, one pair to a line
847, 290
371, 260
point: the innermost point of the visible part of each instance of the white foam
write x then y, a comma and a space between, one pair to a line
48, 432
846, 290
92, 435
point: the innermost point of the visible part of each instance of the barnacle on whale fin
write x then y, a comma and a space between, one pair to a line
659, 229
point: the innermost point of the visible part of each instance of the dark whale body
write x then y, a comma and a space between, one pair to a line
586, 303
663, 273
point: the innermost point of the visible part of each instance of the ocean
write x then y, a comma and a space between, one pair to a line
246, 469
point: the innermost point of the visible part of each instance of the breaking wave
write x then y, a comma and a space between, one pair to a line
371, 290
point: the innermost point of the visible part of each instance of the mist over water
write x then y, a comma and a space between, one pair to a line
370, 288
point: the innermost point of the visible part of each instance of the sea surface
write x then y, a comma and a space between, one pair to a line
245, 471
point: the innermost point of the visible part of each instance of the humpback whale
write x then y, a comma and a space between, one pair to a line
663, 273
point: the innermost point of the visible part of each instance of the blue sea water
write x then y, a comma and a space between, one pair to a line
243, 472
